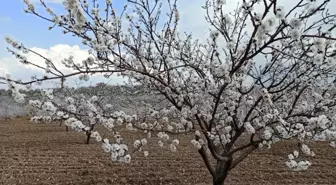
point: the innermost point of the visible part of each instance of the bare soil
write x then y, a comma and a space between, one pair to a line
45, 154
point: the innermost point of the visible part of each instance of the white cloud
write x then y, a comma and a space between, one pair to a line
3, 72
55, 53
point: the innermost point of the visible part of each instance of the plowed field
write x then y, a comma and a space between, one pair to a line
45, 154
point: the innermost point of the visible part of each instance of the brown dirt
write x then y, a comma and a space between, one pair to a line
45, 154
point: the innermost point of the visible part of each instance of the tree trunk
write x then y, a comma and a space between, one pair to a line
88, 135
66, 127
221, 172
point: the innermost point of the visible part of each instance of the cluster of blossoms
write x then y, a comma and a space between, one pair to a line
272, 80
18, 96
82, 114
294, 165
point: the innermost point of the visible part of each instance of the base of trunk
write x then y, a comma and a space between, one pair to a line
88, 139
219, 181
221, 172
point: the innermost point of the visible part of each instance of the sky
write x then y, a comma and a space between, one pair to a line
27, 28
33, 32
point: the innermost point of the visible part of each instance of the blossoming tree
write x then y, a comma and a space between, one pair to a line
265, 74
